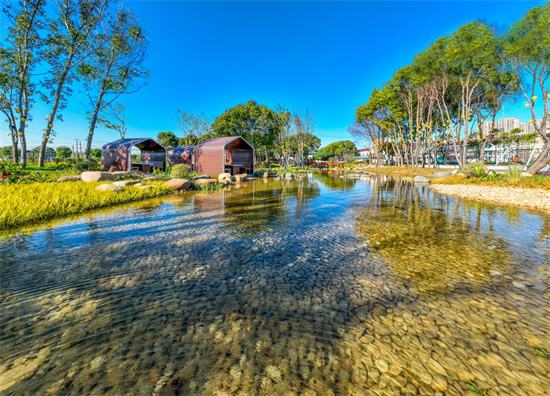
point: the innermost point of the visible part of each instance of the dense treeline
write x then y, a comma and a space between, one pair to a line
98, 44
456, 84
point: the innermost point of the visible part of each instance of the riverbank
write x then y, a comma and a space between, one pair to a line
531, 198
526, 192
28, 203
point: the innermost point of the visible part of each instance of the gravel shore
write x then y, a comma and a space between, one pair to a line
525, 197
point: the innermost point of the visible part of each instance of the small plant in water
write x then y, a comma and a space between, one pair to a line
471, 385
541, 352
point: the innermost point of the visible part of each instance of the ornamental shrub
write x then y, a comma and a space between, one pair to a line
180, 171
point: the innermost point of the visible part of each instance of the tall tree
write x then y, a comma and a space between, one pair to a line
72, 38
115, 119
527, 46
191, 126
167, 139
305, 127
254, 122
116, 67
19, 56
282, 126
63, 152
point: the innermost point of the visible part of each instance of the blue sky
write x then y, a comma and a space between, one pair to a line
326, 56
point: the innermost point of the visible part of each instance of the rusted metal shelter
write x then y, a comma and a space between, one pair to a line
181, 155
217, 155
118, 155
226, 154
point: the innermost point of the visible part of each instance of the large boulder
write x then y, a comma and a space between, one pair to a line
200, 177
206, 181
241, 178
225, 176
178, 184
109, 187
421, 179
96, 176
289, 175
526, 174
442, 174
144, 186
68, 178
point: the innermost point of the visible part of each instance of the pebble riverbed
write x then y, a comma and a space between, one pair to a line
317, 285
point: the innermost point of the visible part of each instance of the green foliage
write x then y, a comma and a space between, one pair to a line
7, 153
63, 152
115, 67
475, 169
254, 122
95, 154
528, 40
168, 140
180, 171
339, 149
23, 204
72, 36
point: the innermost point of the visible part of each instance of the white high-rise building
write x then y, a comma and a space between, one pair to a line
507, 124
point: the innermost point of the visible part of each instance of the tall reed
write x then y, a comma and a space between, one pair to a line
25, 203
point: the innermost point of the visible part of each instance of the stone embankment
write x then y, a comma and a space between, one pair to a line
525, 197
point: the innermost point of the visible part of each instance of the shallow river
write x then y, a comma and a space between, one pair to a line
314, 286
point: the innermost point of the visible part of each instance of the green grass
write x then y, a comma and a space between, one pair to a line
208, 187
27, 203
403, 171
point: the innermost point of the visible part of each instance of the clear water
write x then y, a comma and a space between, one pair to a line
314, 286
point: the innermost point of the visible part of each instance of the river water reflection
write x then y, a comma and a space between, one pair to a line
315, 286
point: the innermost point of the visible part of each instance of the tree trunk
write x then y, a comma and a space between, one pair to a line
93, 123
53, 113
23, 142
14, 146
23, 150
482, 152
542, 160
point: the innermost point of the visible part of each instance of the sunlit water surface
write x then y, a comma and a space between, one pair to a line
314, 286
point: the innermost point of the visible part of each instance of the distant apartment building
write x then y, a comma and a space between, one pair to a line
507, 124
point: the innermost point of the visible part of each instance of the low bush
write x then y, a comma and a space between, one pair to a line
180, 171
475, 169
22, 204
11, 173
86, 164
